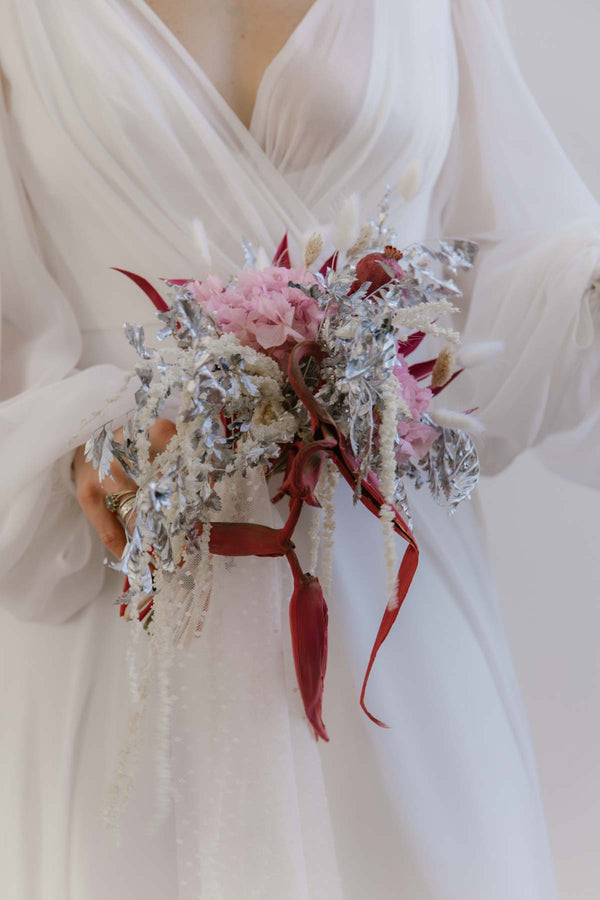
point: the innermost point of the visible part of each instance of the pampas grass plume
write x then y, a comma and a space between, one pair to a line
471, 355
262, 259
450, 418
347, 224
201, 240
410, 180
312, 249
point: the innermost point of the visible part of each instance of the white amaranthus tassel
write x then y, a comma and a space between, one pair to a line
387, 446
203, 582
163, 650
122, 782
314, 535
327, 500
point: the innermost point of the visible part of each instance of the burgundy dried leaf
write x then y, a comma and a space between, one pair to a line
147, 288
282, 255
411, 343
330, 263
421, 370
437, 390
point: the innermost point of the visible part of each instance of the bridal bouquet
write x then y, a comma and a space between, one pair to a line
305, 372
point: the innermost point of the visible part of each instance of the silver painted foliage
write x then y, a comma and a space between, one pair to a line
450, 469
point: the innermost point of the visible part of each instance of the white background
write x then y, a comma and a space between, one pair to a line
545, 532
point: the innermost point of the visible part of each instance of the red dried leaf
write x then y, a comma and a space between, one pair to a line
422, 369
147, 288
330, 263
411, 343
436, 390
282, 254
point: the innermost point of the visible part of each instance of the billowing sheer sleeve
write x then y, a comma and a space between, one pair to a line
50, 563
508, 184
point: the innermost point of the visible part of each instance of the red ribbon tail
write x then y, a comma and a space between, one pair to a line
406, 572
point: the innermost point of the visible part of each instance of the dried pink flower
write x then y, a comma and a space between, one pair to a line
416, 439
417, 398
262, 310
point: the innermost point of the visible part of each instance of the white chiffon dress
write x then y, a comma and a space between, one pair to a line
113, 141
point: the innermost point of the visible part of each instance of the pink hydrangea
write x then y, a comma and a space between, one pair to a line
416, 437
262, 310
417, 398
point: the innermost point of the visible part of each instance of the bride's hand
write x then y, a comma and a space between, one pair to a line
91, 494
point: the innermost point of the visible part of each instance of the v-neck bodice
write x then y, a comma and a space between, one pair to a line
302, 32
124, 141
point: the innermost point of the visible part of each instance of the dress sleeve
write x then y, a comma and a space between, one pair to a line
507, 183
50, 561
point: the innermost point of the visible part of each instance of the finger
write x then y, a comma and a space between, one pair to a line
118, 480
106, 524
160, 434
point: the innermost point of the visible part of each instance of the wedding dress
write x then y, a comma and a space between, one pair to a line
113, 141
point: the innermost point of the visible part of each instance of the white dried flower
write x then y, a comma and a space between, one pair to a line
423, 317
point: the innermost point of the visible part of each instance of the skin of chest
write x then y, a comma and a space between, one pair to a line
233, 41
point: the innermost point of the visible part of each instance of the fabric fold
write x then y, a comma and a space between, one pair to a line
50, 562
507, 184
